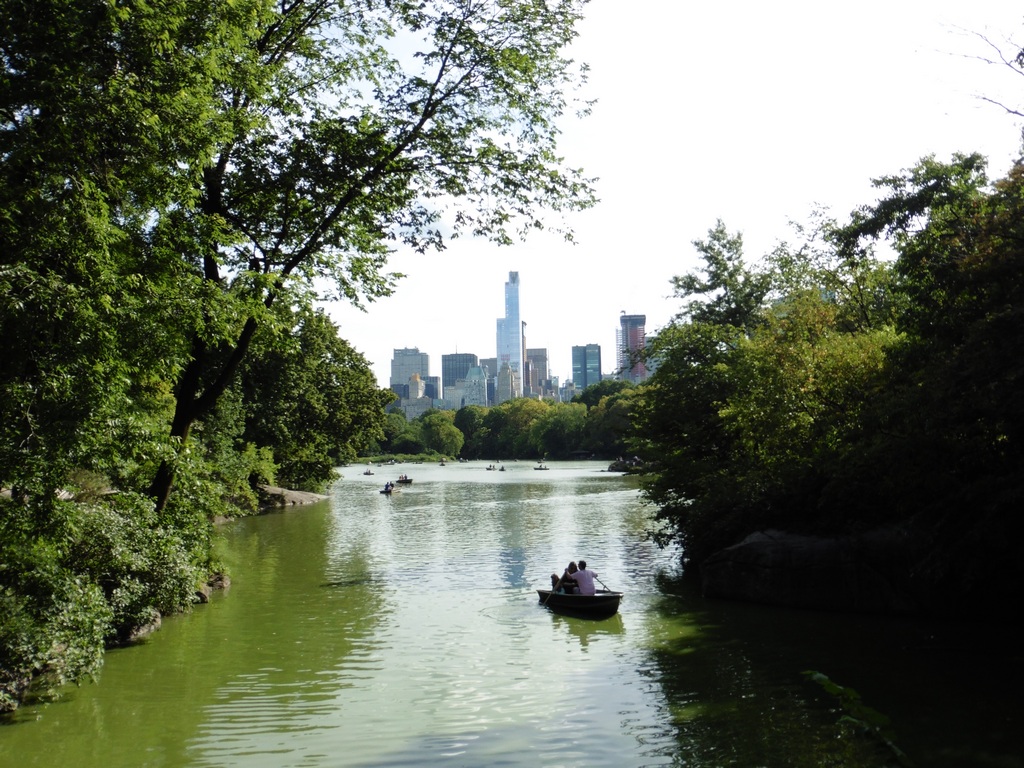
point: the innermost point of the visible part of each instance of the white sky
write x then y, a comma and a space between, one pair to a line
749, 111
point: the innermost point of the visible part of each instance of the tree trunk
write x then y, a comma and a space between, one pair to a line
190, 405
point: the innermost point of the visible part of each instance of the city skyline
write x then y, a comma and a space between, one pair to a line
532, 364
837, 99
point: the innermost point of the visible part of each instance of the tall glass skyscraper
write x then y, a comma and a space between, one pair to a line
510, 335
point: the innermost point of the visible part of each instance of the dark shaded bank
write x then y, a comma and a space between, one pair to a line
884, 571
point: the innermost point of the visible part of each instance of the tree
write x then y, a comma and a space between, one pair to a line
609, 428
470, 421
312, 400
681, 434
232, 156
865, 395
593, 394
507, 428
314, 179
727, 293
176, 181
948, 440
439, 432
395, 423
558, 431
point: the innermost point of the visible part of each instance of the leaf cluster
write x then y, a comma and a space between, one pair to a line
828, 391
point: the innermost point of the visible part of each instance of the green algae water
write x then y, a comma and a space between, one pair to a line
404, 630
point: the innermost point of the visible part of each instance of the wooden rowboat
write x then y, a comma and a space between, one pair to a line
604, 603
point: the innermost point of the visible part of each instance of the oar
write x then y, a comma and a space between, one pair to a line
553, 590
602, 584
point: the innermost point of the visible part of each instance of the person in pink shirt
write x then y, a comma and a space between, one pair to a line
584, 578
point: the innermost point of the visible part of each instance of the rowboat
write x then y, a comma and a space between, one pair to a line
604, 603
404, 480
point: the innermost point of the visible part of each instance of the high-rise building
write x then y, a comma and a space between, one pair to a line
432, 387
510, 337
469, 390
489, 365
537, 366
586, 365
505, 385
631, 340
404, 364
455, 367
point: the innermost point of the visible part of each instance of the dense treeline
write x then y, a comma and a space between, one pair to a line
180, 183
829, 391
596, 424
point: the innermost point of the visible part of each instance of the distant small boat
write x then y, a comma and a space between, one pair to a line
541, 466
604, 603
404, 480
368, 472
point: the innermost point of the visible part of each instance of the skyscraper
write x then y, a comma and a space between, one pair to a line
510, 336
586, 365
631, 339
404, 364
539, 379
455, 367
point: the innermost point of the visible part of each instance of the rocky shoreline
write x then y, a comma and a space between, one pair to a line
273, 497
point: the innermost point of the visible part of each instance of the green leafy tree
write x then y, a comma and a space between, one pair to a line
410, 441
470, 421
508, 428
312, 400
559, 430
946, 449
439, 432
395, 424
609, 428
680, 432
864, 394
679, 423
175, 177
314, 180
593, 394
726, 292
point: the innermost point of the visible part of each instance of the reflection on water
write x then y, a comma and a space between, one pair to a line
404, 630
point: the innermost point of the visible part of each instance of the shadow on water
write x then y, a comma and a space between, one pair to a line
587, 629
759, 685
373, 631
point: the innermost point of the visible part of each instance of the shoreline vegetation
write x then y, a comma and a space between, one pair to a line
181, 186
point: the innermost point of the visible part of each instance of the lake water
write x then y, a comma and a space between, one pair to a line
371, 630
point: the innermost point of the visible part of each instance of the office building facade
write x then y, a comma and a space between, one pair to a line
456, 366
586, 365
406, 363
538, 380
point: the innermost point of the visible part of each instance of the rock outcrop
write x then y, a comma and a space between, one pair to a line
272, 496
